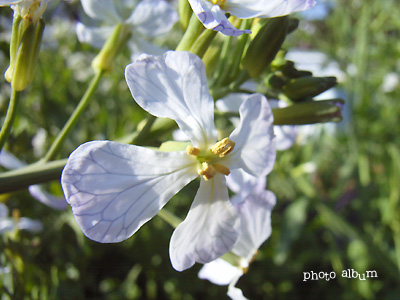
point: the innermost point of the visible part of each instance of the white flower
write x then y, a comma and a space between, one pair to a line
8, 223
28, 9
254, 204
212, 13
285, 134
149, 19
9, 161
115, 188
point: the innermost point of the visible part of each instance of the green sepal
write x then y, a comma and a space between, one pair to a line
171, 146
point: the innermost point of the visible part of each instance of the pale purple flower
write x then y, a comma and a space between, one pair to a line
115, 188
147, 19
212, 13
8, 224
254, 204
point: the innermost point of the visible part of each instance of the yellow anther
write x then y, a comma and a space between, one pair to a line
223, 147
207, 171
221, 169
192, 150
218, 2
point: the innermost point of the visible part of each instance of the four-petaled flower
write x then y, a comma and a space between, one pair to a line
115, 188
212, 13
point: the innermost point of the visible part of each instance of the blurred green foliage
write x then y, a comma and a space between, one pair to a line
342, 214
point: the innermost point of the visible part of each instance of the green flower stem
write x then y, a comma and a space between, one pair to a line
10, 116
169, 217
193, 31
56, 146
202, 43
239, 50
143, 132
223, 61
32, 174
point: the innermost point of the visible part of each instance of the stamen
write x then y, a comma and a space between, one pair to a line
223, 147
192, 150
207, 171
221, 169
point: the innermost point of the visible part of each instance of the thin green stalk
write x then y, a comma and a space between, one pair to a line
56, 146
202, 43
32, 174
169, 217
239, 50
191, 34
10, 117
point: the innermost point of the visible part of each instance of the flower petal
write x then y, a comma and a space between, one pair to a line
220, 272
210, 228
213, 17
255, 143
242, 182
153, 18
175, 86
30, 225
9, 161
6, 3
139, 45
46, 198
235, 293
115, 188
94, 36
266, 8
104, 10
255, 223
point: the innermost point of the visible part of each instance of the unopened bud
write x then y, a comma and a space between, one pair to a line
301, 88
293, 24
275, 80
24, 54
265, 45
309, 112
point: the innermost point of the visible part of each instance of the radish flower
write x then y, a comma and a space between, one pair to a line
115, 188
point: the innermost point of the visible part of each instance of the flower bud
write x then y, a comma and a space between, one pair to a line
24, 51
301, 88
309, 112
265, 45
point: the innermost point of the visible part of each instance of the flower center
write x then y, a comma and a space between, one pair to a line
221, 3
209, 166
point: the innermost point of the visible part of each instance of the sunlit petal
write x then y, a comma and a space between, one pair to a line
153, 18
115, 188
220, 272
255, 142
175, 86
245, 9
210, 228
104, 10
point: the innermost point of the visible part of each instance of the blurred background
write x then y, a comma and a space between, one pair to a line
337, 188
